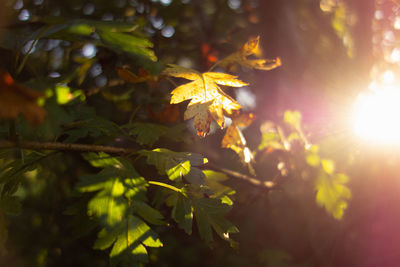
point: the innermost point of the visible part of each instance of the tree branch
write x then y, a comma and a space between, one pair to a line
65, 147
5, 144
267, 184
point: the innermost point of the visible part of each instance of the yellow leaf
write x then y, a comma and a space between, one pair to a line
207, 100
202, 118
251, 47
235, 140
181, 72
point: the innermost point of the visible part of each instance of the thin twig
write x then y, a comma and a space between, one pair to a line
254, 181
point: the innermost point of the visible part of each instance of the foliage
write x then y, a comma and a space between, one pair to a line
89, 83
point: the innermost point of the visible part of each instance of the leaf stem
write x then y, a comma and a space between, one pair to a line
171, 187
41, 33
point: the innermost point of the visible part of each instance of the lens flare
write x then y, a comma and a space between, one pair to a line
377, 116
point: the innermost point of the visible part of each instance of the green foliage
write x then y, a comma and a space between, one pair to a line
129, 240
55, 208
208, 212
149, 133
176, 164
121, 192
332, 193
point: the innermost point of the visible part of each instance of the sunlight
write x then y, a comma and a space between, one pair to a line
376, 116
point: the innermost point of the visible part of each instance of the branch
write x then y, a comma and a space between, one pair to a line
267, 184
4, 144
65, 147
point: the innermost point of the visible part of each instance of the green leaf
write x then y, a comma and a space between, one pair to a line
182, 213
332, 193
109, 205
121, 42
176, 164
148, 213
128, 240
117, 183
213, 181
101, 159
148, 133
209, 212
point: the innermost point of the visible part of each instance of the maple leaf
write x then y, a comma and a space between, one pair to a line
234, 139
251, 47
16, 99
207, 100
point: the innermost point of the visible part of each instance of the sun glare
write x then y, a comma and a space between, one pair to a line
377, 116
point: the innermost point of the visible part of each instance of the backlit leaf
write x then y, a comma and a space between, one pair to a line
207, 100
182, 212
251, 47
176, 164
234, 139
209, 213
128, 240
148, 213
332, 193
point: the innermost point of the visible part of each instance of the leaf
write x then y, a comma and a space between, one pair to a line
116, 183
176, 164
182, 212
234, 139
101, 159
16, 99
148, 133
122, 42
128, 241
207, 100
209, 213
328, 166
251, 47
148, 213
332, 193
220, 191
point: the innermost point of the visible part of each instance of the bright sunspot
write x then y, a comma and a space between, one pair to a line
376, 117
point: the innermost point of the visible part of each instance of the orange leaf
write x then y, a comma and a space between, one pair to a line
16, 99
